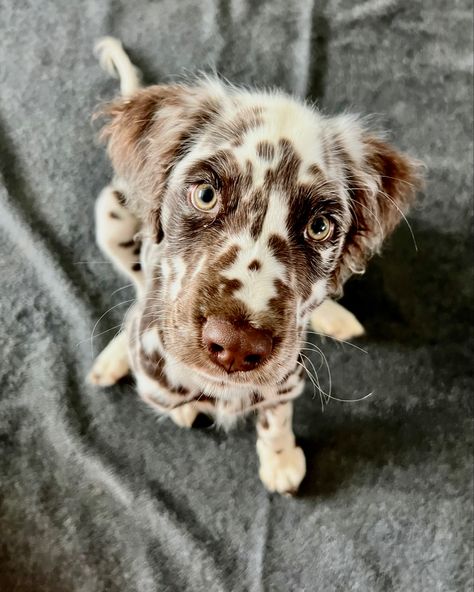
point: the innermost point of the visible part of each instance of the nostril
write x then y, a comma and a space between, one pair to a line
253, 359
215, 348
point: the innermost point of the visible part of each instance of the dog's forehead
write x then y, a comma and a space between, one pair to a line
260, 130
280, 118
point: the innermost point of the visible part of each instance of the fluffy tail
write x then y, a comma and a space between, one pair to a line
115, 61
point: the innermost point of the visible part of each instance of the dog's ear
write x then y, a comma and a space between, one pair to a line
150, 131
381, 183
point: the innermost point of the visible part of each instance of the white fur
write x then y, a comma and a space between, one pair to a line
282, 463
180, 271
330, 318
150, 341
112, 364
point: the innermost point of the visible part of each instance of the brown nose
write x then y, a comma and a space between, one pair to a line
235, 347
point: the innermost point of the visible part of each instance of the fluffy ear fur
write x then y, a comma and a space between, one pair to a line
149, 131
382, 183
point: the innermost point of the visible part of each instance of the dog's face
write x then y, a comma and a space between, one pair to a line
259, 208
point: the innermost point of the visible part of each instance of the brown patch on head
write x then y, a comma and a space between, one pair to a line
229, 286
254, 265
289, 164
259, 211
265, 150
314, 170
280, 249
235, 130
279, 304
285, 174
228, 258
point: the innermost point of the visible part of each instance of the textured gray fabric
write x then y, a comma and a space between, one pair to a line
99, 495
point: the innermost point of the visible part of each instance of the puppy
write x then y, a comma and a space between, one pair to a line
236, 214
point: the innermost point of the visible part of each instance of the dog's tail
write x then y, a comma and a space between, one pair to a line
115, 61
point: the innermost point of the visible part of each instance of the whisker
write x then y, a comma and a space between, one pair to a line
337, 340
102, 316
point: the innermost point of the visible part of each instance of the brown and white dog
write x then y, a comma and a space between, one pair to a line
237, 214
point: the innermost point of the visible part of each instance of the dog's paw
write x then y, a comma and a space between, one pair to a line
330, 318
281, 471
184, 415
107, 371
112, 364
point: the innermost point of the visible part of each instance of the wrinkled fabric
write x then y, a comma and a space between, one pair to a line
96, 492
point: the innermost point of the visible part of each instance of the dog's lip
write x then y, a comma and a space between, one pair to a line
227, 378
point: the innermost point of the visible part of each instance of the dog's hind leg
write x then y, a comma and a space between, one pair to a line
117, 235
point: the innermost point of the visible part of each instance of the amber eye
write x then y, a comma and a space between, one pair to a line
203, 196
320, 228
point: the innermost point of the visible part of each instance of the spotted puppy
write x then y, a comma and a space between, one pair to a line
236, 214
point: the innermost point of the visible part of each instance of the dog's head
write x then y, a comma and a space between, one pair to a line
259, 208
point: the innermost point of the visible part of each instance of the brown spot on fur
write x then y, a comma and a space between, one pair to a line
279, 303
285, 391
260, 207
265, 150
314, 170
114, 215
120, 197
280, 248
228, 258
230, 286
254, 265
289, 375
256, 398
127, 244
246, 120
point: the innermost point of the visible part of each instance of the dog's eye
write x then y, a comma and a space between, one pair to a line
320, 228
203, 196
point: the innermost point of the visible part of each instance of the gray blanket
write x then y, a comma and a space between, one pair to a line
96, 493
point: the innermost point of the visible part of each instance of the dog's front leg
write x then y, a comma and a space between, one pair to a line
332, 319
282, 463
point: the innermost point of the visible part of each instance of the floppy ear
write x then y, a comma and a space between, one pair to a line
381, 183
149, 132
